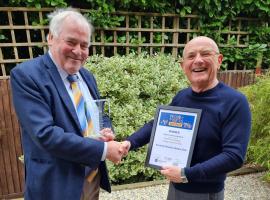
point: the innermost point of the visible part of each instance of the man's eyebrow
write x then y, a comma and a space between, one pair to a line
201, 50
77, 40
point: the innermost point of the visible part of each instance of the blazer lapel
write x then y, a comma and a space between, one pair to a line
90, 83
56, 78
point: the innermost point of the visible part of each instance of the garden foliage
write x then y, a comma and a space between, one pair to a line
214, 18
259, 98
135, 85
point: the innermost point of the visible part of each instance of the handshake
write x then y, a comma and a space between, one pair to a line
115, 150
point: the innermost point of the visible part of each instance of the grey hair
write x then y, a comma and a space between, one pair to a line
59, 15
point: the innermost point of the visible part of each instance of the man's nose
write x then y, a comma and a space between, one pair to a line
198, 58
76, 49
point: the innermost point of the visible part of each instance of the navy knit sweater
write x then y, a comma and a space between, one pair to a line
222, 136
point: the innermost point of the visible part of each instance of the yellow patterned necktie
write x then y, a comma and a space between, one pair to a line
82, 113
81, 107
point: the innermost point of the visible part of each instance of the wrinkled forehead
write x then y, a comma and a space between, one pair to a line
202, 44
72, 25
77, 23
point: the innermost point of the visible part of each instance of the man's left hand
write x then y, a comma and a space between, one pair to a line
106, 135
172, 173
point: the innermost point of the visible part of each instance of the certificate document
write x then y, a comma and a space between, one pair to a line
173, 137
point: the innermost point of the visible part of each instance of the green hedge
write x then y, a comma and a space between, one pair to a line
135, 85
259, 98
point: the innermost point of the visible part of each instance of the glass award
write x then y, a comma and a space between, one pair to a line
98, 109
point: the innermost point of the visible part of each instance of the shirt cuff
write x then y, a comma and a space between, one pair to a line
104, 151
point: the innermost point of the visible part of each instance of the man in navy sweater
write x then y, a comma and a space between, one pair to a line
224, 129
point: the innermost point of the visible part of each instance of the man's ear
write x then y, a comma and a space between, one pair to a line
220, 58
50, 38
180, 61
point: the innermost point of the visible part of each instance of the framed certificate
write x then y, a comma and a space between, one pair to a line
173, 137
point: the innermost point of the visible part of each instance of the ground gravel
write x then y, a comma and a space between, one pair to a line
244, 187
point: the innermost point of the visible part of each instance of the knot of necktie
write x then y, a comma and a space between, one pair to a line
72, 78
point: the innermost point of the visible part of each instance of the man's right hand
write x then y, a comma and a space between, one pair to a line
114, 152
125, 145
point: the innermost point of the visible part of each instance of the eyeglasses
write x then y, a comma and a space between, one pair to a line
204, 54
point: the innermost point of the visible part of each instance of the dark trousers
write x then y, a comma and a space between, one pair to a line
91, 190
175, 194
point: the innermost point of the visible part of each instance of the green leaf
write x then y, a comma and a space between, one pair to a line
2, 37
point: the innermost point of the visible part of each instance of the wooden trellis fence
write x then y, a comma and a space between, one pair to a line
151, 32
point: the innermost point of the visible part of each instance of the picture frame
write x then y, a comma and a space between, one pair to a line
173, 137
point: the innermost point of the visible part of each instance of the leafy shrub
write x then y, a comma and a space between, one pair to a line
259, 98
135, 85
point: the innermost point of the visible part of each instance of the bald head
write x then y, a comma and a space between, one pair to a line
201, 61
201, 40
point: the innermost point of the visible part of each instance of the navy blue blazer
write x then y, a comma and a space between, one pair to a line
56, 154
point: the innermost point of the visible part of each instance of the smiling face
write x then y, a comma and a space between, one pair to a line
70, 48
201, 61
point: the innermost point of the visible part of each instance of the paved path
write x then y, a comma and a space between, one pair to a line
244, 187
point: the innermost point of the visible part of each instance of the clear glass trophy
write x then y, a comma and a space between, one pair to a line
98, 109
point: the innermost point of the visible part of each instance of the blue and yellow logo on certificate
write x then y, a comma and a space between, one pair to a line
176, 120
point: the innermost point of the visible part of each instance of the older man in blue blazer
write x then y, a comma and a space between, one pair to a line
58, 158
